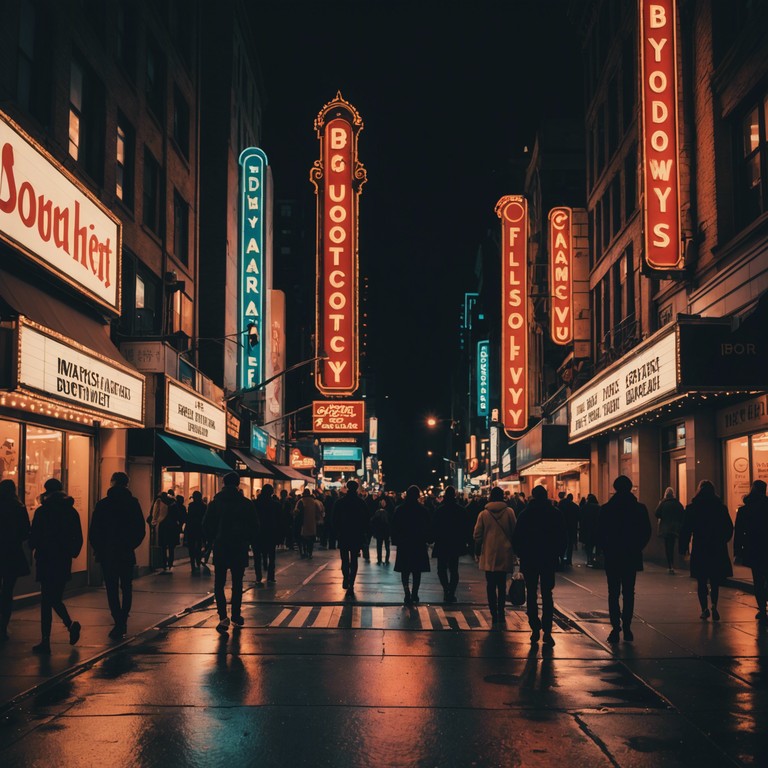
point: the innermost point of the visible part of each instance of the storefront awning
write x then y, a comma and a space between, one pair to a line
254, 467
284, 472
544, 450
192, 457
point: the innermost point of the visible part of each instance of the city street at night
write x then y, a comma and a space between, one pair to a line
314, 679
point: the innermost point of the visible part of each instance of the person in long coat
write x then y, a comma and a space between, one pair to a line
670, 513
450, 525
540, 536
165, 519
493, 536
411, 536
269, 512
751, 542
14, 531
232, 524
623, 531
117, 528
350, 515
709, 524
56, 538
380, 528
193, 530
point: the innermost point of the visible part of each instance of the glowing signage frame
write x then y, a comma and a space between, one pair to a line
659, 139
251, 301
48, 215
189, 414
561, 274
338, 416
338, 178
513, 212
483, 377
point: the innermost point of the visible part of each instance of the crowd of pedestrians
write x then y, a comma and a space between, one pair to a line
505, 533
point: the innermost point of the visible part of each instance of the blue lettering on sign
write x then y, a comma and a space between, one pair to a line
259, 441
483, 378
253, 163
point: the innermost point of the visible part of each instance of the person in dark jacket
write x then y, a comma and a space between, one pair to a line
165, 519
589, 514
269, 513
350, 515
411, 535
380, 527
540, 536
14, 531
570, 511
56, 538
193, 530
670, 513
708, 522
117, 529
231, 523
623, 530
750, 544
450, 534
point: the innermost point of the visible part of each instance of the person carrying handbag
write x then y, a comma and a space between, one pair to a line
539, 539
493, 534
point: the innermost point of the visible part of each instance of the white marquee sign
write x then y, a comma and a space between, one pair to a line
190, 415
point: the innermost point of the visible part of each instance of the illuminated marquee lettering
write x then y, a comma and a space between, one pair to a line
561, 275
483, 378
338, 178
513, 212
253, 164
660, 171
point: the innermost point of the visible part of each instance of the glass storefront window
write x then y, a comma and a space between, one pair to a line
77, 485
9, 451
760, 456
43, 461
737, 474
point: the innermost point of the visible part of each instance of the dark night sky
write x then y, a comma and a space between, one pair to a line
449, 93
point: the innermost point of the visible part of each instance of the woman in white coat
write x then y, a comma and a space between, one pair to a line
493, 545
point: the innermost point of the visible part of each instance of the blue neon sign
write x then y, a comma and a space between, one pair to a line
483, 377
253, 164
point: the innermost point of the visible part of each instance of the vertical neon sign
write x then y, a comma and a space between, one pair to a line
482, 377
513, 212
253, 164
561, 275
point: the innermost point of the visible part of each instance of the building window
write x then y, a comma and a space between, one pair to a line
86, 110
630, 183
154, 89
32, 77
181, 122
615, 205
141, 299
151, 203
180, 228
182, 315
753, 156
124, 159
126, 38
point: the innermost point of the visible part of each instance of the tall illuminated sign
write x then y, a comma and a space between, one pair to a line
561, 275
483, 378
659, 139
513, 212
251, 304
338, 178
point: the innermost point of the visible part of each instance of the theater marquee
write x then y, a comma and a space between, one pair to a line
338, 177
659, 140
561, 274
513, 212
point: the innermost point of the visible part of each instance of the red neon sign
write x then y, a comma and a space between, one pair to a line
661, 156
513, 212
338, 178
338, 416
561, 274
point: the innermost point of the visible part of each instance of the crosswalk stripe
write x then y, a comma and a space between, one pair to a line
377, 617
460, 620
423, 611
281, 617
483, 623
442, 617
357, 617
323, 618
301, 616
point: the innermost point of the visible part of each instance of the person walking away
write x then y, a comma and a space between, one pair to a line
193, 531
670, 513
380, 527
411, 535
232, 524
539, 537
450, 542
570, 511
269, 512
311, 512
117, 529
750, 544
350, 520
14, 531
165, 520
623, 530
55, 538
708, 523
588, 528
493, 535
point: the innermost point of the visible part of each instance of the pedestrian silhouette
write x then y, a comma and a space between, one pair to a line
193, 531
708, 523
450, 522
56, 538
751, 542
117, 529
165, 519
264, 549
623, 530
350, 515
670, 513
411, 536
14, 531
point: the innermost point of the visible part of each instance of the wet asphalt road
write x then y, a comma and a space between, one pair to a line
315, 680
